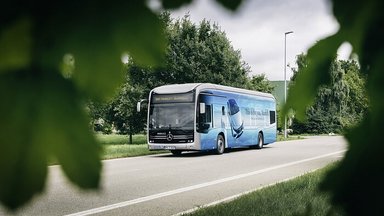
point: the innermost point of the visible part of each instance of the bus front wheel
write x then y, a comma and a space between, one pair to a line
176, 152
220, 144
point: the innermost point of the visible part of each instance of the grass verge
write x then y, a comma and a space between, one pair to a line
117, 139
299, 196
280, 137
116, 146
120, 151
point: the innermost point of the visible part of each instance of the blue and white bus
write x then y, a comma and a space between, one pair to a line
204, 116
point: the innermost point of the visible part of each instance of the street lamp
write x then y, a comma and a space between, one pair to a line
285, 79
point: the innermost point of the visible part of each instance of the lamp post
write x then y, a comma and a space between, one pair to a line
285, 79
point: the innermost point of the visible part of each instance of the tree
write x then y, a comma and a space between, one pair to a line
335, 107
120, 112
97, 111
195, 53
125, 117
260, 83
201, 53
357, 105
302, 63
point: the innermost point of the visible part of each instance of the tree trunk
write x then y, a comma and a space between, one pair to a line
130, 134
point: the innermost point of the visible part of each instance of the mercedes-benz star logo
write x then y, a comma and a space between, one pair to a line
169, 137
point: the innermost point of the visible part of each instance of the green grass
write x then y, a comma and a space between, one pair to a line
299, 196
119, 151
280, 137
116, 146
116, 139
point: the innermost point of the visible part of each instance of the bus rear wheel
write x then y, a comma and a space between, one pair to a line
220, 144
260, 143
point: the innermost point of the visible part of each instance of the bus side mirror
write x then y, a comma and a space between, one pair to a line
202, 108
138, 105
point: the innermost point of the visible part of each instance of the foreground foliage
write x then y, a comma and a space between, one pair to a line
53, 56
361, 25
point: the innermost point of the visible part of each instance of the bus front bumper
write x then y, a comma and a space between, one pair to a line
166, 146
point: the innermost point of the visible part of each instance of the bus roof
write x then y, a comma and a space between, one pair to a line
187, 87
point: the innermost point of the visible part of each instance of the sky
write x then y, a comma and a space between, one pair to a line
257, 29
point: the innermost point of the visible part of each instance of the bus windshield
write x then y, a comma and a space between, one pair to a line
171, 116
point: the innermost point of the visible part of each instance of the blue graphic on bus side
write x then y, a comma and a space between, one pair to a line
236, 121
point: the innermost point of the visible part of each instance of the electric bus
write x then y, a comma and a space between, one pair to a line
204, 116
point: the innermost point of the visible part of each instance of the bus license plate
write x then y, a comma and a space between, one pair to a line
169, 147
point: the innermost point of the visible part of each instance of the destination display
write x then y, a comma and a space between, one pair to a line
173, 98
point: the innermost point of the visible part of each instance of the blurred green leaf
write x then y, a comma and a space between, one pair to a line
230, 4
173, 4
147, 43
97, 37
22, 156
66, 131
15, 46
361, 24
42, 117
41, 111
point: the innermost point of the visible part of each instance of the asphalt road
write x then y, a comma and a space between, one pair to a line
167, 185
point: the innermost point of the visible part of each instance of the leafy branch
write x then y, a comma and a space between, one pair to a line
53, 57
361, 25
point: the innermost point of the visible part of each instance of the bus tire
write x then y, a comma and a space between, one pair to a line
220, 144
260, 142
176, 152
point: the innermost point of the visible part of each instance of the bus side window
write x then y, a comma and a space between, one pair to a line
272, 117
205, 119
208, 113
